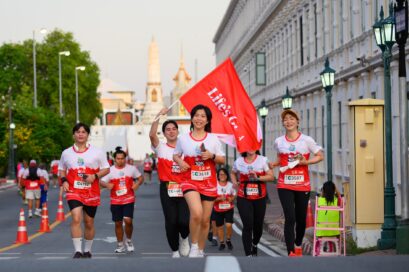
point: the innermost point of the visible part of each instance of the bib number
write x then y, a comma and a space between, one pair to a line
224, 205
200, 173
174, 190
252, 190
293, 179
33, 184
121, 192
79, 184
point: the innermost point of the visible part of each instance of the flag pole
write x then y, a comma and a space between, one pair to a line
171, 105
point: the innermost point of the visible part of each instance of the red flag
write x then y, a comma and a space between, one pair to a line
234, 115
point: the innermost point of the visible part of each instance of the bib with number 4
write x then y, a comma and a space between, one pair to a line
79, 184
121, 192
174, 190
200, 173
252, 189
224, 205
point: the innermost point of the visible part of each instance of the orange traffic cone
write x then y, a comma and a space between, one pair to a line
44, 226
310, 218
22, 237
60, 210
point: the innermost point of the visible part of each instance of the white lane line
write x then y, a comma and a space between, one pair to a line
8, 253
156, 253
53, 258
215, 263
260, 246
51, 253
154, 257
9, 258
104, 258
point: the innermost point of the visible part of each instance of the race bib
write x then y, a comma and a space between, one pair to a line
121, 192
224, 205
200, 173
252, 190
293, 179
175, 168
33, 184
79, 184
174, 190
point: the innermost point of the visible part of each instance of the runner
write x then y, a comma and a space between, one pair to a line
45, 181
32, 180
294, 151
254, 172
174, 205
224, 208
80, 168
201, 151
21, 183
54, 171
123, 180
147, 168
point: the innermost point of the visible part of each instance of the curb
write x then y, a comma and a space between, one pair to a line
278, 232
6, 186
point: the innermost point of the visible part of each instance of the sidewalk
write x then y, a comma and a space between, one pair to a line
4, 185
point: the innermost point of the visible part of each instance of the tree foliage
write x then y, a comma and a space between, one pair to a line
40, 132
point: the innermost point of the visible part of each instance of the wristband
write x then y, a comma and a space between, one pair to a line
96, 176
214, 157
64, 179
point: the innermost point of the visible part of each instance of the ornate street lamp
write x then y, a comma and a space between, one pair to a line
263, 112
384, 31
287, 100
327, 79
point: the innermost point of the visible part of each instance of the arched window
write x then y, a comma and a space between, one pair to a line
154, 96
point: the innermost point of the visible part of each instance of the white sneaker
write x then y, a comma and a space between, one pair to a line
201, 253
37, 213
184, 246
30, 214
175, 254
129, 246
195, 253
120, 249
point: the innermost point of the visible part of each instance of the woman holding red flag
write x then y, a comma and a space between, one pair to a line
295, 151
80, 168
197, 154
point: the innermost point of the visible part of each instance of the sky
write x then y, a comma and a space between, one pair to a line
117, 33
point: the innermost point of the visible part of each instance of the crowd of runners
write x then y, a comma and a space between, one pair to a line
196, 192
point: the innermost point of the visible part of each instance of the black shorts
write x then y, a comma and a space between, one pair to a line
121, 211
89, 210
222, 217
147, 171
213, 216
202, 197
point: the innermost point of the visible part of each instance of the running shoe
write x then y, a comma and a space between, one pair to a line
30, 214
184, 246
175, 254
222, 246
37, 213
201, 253
298, 251
129, 246
292, 255
214, 242
120, 249
77, 255
194, 253
254, 250
229, 245
87, 255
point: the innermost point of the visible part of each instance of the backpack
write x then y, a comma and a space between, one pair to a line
32, 173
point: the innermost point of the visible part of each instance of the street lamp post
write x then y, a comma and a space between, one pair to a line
11, 169
263, 112
63, 53
327, 79
77, 110
42, 31
401, 35
385, 37
287, 100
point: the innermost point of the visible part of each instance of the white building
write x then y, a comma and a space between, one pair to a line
295, 37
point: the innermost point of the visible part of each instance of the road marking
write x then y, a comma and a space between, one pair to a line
8, 258
104, 258
156, 253
53, 258
8, 253
109, 239
53, 253
52, 226
215, 263
260, 246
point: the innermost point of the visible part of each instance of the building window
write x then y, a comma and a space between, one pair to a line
323, 26
351, 18
340, 124
301, 43
260, 69
323, 125
341, 22
315, 31
332, 19
363, 15
373, 95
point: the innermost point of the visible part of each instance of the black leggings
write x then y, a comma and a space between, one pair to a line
176, 214
252, 215
294, 205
